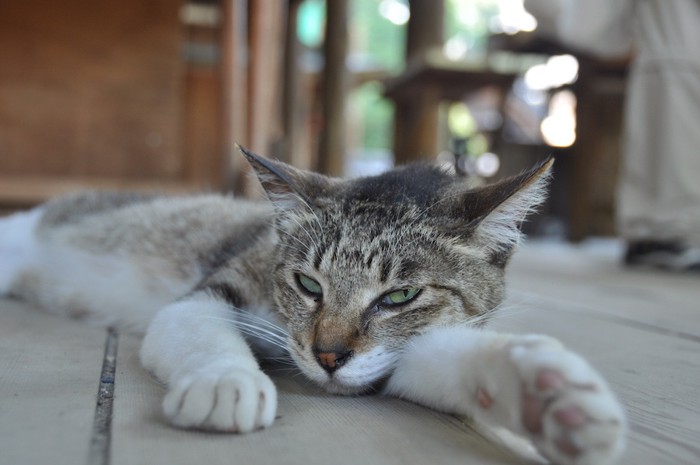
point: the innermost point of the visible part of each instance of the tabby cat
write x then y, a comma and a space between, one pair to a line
380, 283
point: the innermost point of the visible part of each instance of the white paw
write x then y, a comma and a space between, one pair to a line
226, 399
567, 409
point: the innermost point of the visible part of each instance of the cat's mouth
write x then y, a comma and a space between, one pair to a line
364, 374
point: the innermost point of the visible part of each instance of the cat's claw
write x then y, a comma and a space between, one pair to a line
234, 400
567, 409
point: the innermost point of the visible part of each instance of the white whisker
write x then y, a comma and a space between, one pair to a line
264, 322
268, 336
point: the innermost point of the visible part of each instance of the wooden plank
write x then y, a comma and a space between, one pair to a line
591, 278
313, 428
49, 374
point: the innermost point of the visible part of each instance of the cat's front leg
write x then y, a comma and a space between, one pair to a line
213, 379
531, 385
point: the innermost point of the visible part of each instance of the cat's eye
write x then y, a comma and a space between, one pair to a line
309, 285
400, 297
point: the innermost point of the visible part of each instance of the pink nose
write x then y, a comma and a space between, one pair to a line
327, 359
331, 361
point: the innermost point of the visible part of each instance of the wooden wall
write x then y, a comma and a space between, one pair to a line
108, 94
91, 88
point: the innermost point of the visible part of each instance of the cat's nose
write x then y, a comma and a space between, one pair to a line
333, 359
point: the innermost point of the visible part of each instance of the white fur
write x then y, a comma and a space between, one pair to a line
106, 289
447, 368
112, 289
212, 377
18, 246
364, 369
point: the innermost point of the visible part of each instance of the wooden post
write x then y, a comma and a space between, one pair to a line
416, 124
265, 65
291, 88
331, 156
234, 68
425, 27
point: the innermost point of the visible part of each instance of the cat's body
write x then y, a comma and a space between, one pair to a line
377, 283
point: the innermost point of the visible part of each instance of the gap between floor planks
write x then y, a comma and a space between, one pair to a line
100, 442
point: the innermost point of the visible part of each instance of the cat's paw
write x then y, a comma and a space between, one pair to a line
232, 399
567, 409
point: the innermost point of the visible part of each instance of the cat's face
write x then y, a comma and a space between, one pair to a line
365, 265
358, 284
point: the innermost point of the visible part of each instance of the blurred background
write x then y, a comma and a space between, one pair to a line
154, 95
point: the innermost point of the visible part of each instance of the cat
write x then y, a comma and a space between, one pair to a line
381, 283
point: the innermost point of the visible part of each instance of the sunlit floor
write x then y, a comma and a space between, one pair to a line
640, 328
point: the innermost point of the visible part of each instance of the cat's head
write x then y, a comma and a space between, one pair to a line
364, 265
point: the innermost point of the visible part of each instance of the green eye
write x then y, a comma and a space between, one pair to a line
309, 285
400, 297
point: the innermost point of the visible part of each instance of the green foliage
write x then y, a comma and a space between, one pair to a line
380, 44
377, 116
374, 36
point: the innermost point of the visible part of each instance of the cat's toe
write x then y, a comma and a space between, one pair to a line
583, 427
566, 408
238, 401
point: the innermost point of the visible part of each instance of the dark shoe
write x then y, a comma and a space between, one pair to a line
665, 255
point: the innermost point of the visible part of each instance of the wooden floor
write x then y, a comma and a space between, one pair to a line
641, 329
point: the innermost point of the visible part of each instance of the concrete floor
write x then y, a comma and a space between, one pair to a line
641, 329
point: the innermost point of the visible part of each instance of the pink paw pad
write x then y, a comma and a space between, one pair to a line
532, 413
571, 417
568, 447
484, 399
549, 380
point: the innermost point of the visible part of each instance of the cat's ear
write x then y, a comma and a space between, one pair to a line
286, 186
491, 216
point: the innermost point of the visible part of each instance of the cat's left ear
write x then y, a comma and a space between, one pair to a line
286, 186
491, 216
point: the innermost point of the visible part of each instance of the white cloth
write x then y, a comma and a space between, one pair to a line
659, 189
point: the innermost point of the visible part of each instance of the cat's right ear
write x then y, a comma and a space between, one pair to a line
286, 186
